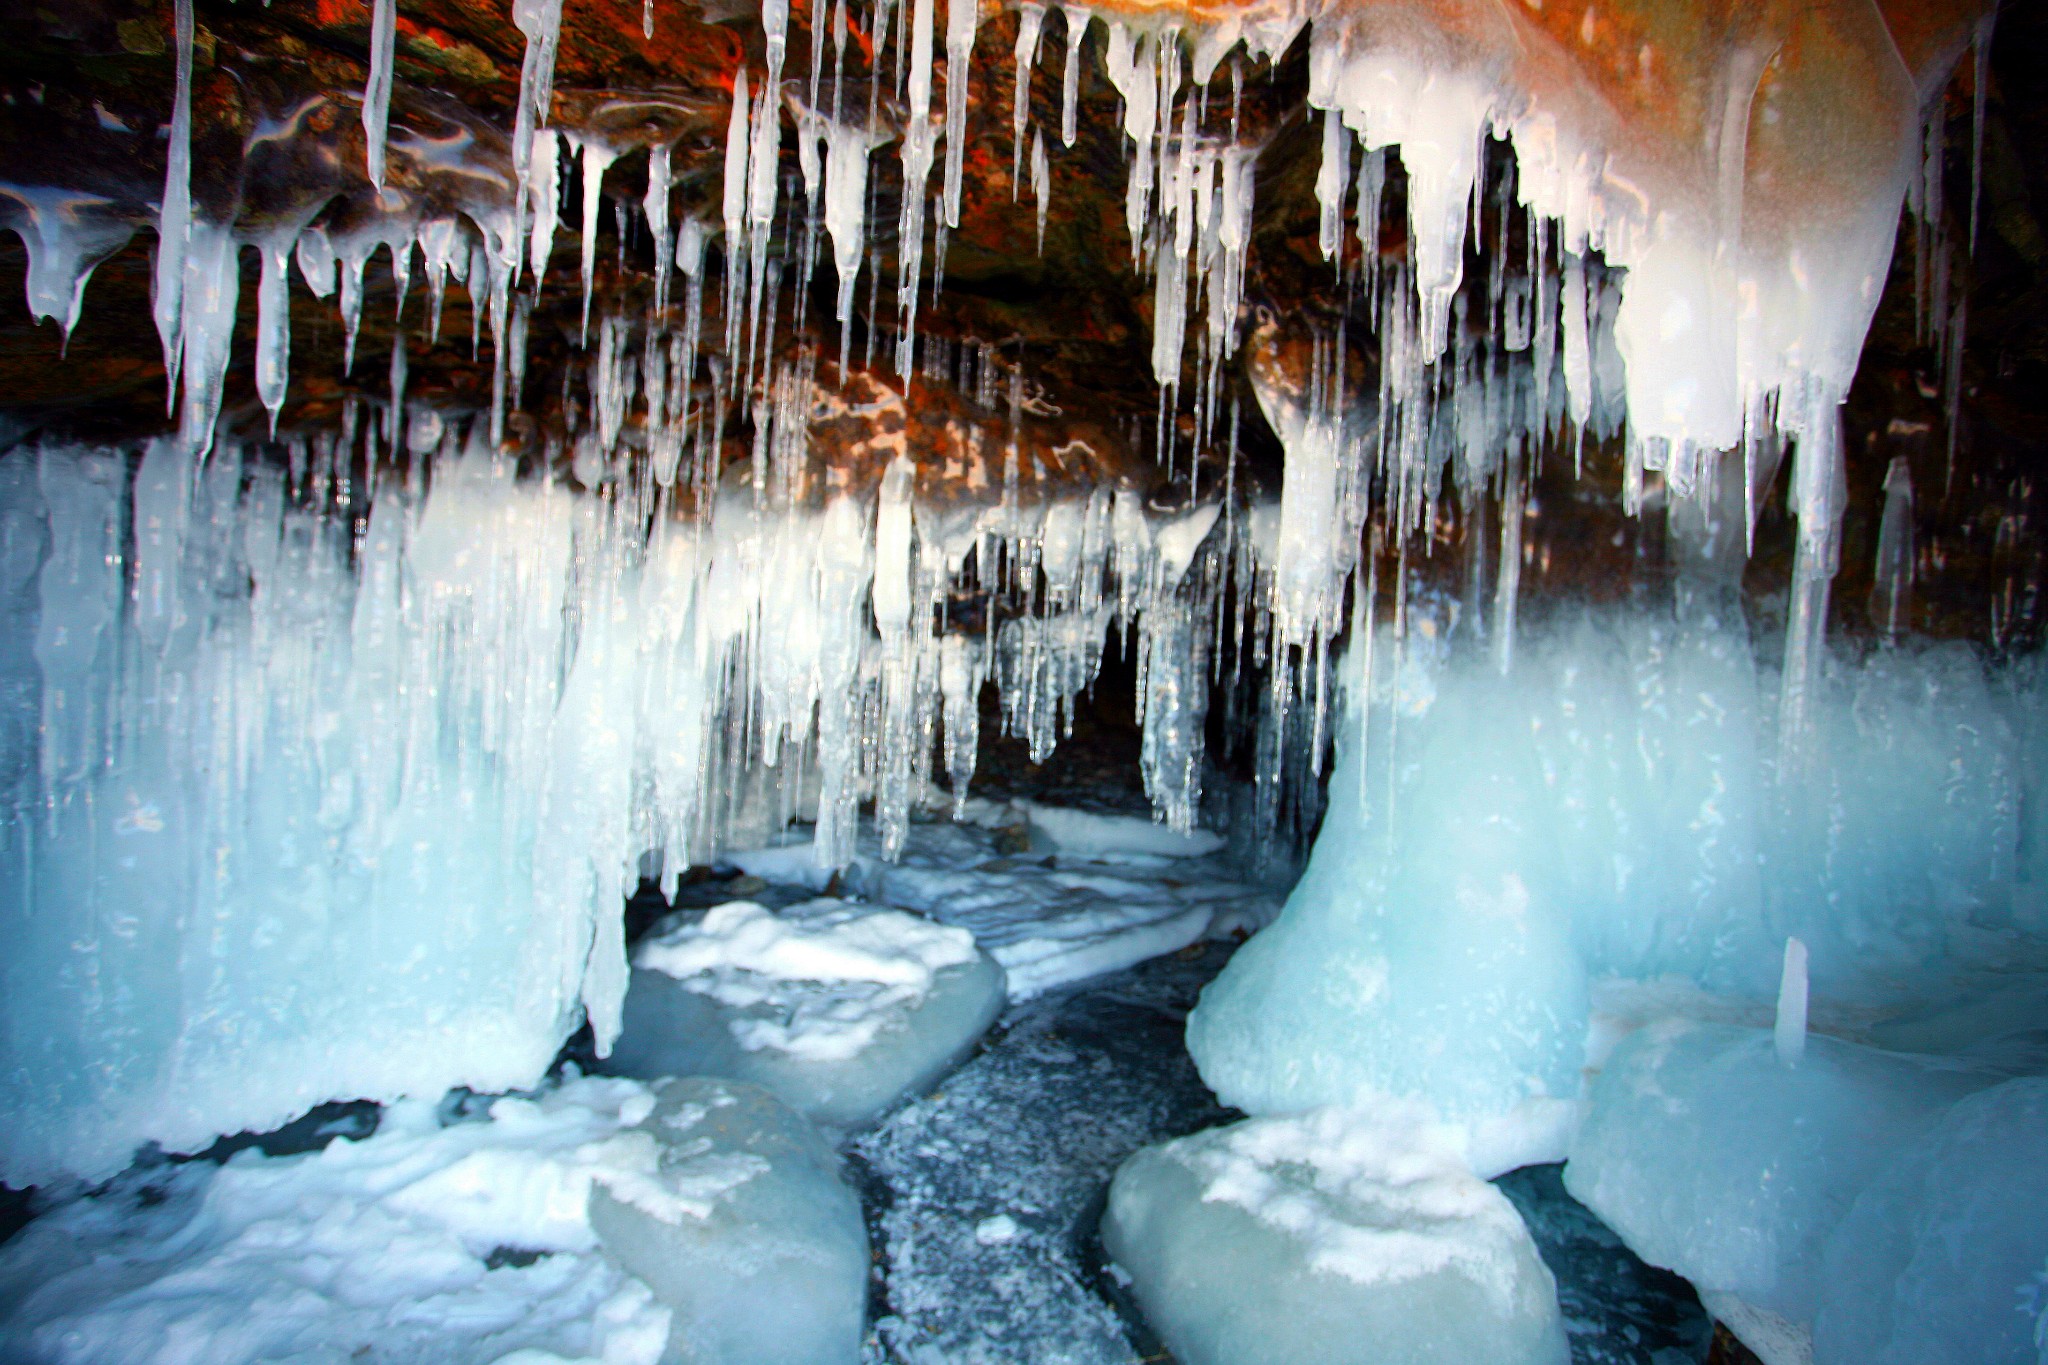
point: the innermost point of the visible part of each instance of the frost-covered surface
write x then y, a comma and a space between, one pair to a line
1613, 807
1050, 916
745, 1230
1331, 1236
839, 1009
463, 1242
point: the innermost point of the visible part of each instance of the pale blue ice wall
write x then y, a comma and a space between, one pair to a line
1612, 807
290, 818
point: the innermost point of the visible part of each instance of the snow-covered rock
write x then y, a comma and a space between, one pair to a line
1943, 1259
839, 1009
1330, 1237
744, 1229
1713, 1157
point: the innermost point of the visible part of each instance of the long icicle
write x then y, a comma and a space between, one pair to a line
174, 215
377, 90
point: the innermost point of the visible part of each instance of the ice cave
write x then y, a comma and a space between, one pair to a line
994, 682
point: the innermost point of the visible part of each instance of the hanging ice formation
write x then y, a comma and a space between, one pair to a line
306, 669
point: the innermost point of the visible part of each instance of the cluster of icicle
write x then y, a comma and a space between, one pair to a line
1578, 336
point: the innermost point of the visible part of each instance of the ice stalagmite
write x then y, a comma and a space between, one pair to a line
377, 90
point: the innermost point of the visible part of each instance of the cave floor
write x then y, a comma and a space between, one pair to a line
983, 1197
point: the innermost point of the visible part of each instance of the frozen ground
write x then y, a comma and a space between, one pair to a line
985, 1195
982, 1201
1055, 895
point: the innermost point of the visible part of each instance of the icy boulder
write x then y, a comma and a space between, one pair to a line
839, 1009
744, 1229
1943, 1260
1714, 1158
1331, 1237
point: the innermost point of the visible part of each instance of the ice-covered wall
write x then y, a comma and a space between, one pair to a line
1498, 845
322, 787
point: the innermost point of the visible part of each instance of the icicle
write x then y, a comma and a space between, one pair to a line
1789, 1036
174, 215
962, 18
656, 205
1041, 185
1981, 68
377, 90
764, 184
211, 288
1332, 180
647, 20
846, 198
737, 140
273, 327
540, 21
1814, 418
441, 250
543, 199
596, 158
1077, 17
1030, 18
1891, 589
917, 166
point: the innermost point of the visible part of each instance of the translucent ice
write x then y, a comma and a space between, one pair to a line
1712, 1158
1609, 809
1943, 1259
1332, 1236
744, 1229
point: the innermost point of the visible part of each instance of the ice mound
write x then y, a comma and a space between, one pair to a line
1943, 1260
1094, 893
443, 1245
1612, 807
1714, 1158
1331, 1237
839, 1009
743, 1228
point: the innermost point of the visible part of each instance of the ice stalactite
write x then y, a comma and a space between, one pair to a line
656, 205
1076, 17
1030, 21
540, 22
67, 234
174, 214
963, 17
917, 169
738, 139
377, 90
1041, 186
597, 159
